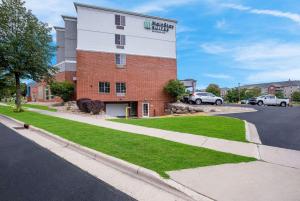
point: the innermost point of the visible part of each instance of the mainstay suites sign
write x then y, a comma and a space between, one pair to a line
159, 27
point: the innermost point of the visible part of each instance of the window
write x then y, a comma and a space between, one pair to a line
120, 40
120, 21
120, 59
104, 87
121, 88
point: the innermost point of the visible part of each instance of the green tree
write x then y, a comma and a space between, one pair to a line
235, 94
279, 94
214, 89
254, 92
64, 90
25, 45
296, 96
175, 88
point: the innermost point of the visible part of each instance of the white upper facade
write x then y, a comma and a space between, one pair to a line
96, 30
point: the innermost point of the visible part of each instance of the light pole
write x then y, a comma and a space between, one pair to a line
239, 84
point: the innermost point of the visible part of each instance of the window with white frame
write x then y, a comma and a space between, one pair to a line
120, 59
104, 87
120, 40
120, 21
121, 88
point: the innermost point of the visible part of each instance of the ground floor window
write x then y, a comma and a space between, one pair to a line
104, 87
121, 88
145, 109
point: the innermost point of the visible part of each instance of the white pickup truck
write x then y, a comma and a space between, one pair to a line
272, 100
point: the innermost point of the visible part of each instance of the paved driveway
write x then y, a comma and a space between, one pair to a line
277, 126
30, 172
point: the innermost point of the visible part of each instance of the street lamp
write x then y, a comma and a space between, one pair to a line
239, 84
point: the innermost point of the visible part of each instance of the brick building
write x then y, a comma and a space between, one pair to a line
121, 58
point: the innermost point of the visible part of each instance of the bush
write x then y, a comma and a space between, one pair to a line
64, 90
79, 103
86, 106
96, 106
175, 88
296, 96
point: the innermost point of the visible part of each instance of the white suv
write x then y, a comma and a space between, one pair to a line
205, 97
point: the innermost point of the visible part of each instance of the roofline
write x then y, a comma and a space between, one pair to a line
67, 17
122, 11
59, 28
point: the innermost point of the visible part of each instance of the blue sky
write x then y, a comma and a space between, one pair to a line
218, 41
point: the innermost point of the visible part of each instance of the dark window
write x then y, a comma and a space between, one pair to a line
104, 87
120, 87
120, 39
120, 20
120, 59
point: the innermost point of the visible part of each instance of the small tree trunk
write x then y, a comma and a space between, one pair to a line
18, 92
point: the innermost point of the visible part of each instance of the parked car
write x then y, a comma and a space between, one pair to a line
244, 101
205, 97
272, 100
252, 101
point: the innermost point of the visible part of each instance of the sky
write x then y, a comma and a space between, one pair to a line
218, 41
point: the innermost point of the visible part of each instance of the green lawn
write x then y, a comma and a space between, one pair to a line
41, 107
150, 152
211, 126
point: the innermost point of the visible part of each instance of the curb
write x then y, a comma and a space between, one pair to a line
251, 133
121, 165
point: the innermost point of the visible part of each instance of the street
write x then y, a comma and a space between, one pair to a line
277, 126
30, 172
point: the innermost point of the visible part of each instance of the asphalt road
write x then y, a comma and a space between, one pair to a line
277, 126
30, 172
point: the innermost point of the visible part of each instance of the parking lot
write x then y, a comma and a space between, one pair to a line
277, 126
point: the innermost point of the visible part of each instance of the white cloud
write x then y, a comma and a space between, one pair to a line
217, 76
183, 29
211, 48
266, 76
50, 11
158, 5
264, 61
276, 13
221, 24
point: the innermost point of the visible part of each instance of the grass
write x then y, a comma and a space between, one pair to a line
153, 153
40, 107
211, 126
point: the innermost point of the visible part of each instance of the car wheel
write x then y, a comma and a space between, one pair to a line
283, 104
191, 102
218, 102
198, 101
260, 103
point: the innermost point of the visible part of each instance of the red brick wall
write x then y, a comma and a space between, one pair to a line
65, 76
145, 78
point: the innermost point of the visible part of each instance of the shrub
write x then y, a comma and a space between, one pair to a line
86, 106
64, 90
175, 88
79, 103
96, 106
296, 96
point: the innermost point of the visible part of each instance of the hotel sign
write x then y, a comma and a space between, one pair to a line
159, 27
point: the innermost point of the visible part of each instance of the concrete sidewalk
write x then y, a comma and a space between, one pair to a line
259, 181
290, 158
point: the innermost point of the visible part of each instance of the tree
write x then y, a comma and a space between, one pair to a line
279, 94
214, 89
175, 88
251, 93
233, 95
64, 90
25, 45
296, 96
